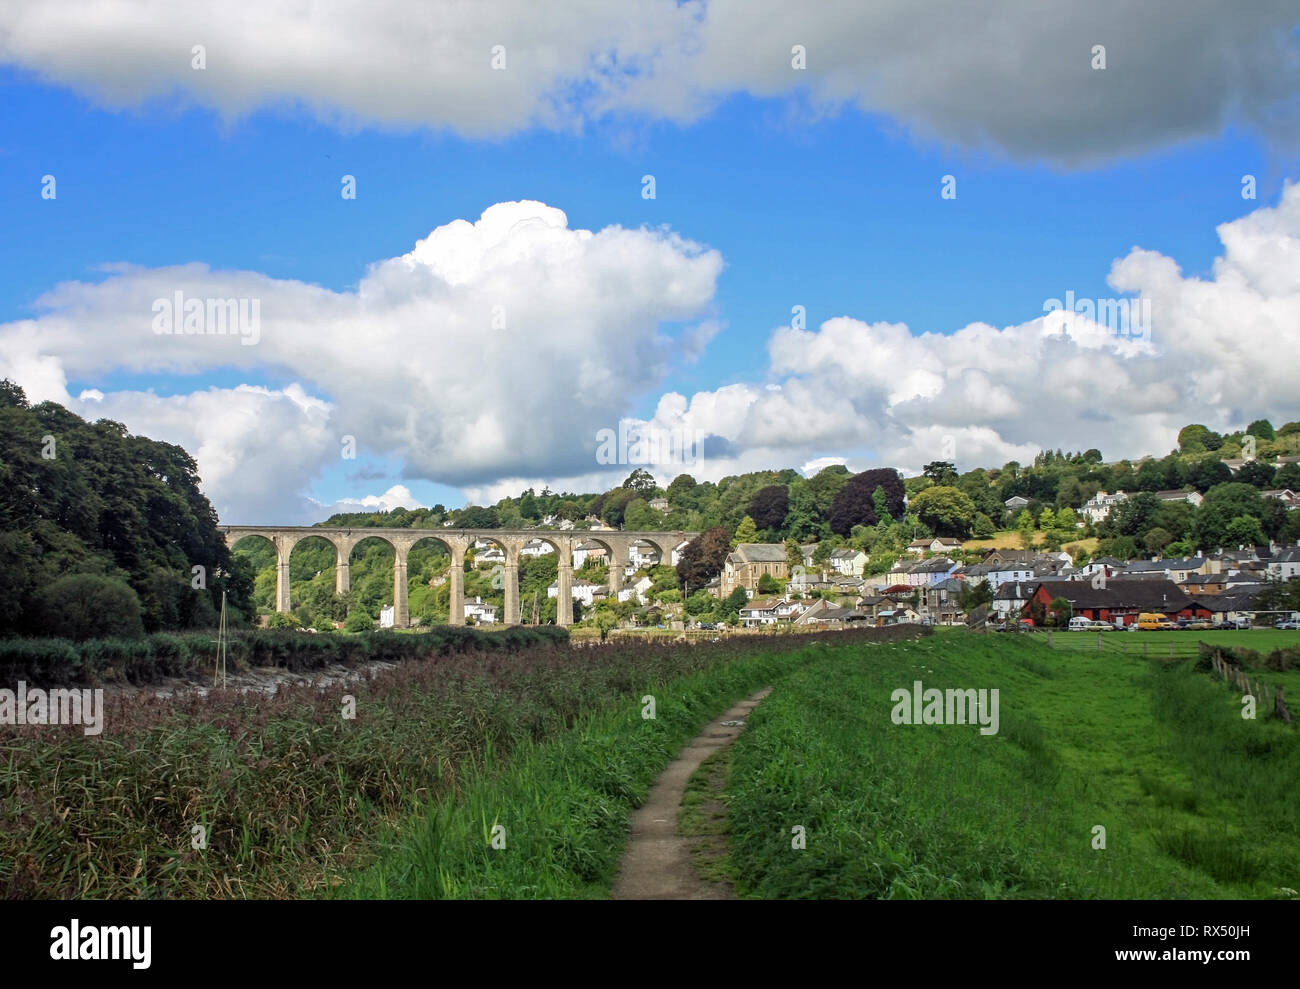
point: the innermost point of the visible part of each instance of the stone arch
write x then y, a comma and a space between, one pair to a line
300, 574
419, 577
352, 541
243, 541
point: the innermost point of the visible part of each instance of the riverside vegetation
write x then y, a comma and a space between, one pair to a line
291, 796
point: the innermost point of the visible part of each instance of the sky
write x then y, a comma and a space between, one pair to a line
467, 243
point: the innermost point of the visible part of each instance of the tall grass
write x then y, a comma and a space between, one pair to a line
294, 798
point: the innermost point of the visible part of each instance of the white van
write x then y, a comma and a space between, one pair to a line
1080, 624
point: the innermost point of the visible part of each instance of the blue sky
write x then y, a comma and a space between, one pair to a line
837, 210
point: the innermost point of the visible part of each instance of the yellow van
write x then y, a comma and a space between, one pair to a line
1148, 621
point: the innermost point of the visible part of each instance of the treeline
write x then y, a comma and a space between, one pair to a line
103, 533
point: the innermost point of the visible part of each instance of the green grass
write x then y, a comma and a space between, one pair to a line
564, 804
703, 818
1195, 801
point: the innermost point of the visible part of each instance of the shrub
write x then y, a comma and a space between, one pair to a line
85, 605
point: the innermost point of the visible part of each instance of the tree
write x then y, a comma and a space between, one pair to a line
1244, 530
880, 503
1025, 526
1222, 504
1197, 438
640, 480
973, 594
1211, 472
946, 510
358, 621
1258, 473
1059, 612
1156, 540
746, 532
1288, 477
476, 517
855, 505
1047, 519
769, 506
89, 606
1261, 428
983, 527
734, 601
793, 554
940, 472
825, 485
639, 516
767, 584
703, 557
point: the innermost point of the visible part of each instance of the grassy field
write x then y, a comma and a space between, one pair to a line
1010, 539
1194, 800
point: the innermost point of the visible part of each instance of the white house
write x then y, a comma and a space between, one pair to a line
1099, 505
930, 571
641, 555
1285, 495
848, 562
581, 590
482, 612
636, 591
1193, 498
588, 550
536, 547
1284, 565
386, 618
487, 552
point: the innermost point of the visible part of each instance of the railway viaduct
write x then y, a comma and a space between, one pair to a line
457, 541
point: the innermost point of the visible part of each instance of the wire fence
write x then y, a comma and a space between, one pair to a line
1117, 643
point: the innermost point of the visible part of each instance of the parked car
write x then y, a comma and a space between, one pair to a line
1154, 620
1239, 623
1293, 626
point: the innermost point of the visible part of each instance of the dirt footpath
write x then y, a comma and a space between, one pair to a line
657, 864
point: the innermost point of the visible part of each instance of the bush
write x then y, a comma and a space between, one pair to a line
358, 621
84, 605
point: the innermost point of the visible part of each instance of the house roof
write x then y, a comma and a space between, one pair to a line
1151, 595
1173, 563
938, 564
760, 552
1174, 495
846, 554
837, 614
761, 604
1011, 556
